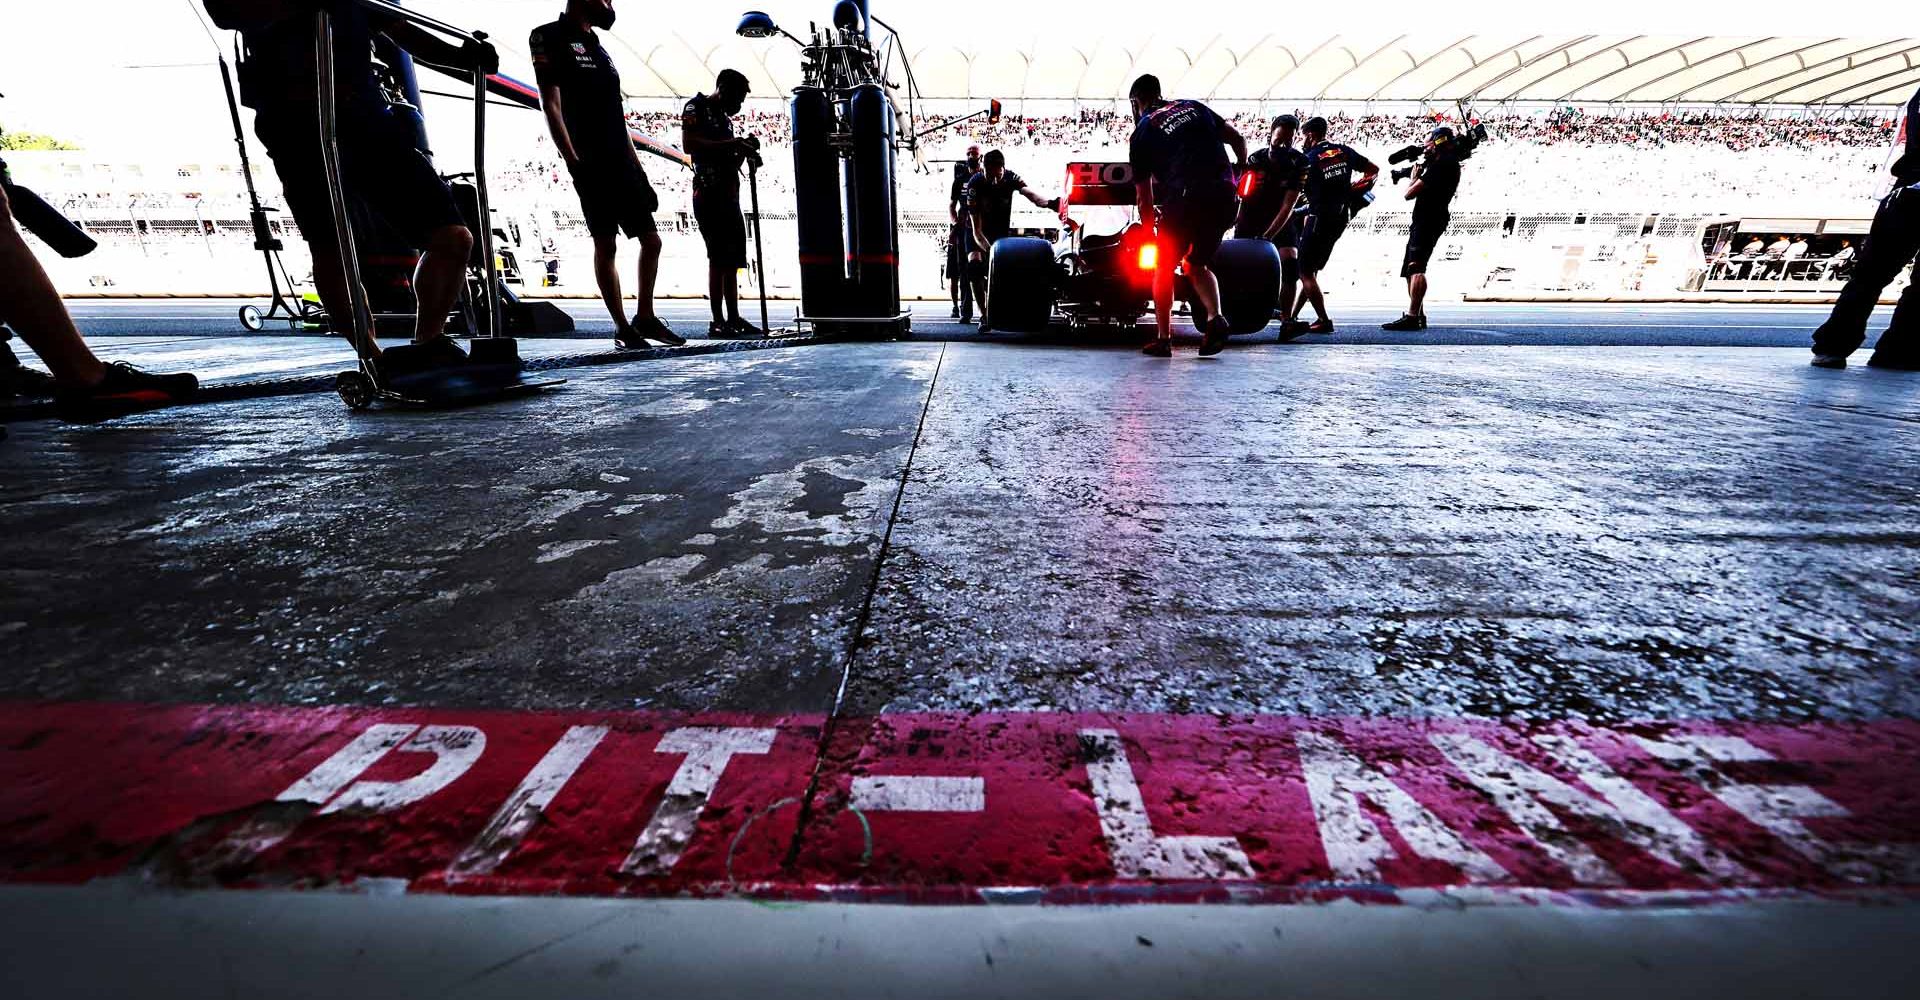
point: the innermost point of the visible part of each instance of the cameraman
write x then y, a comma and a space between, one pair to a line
1331, 192
1269, 193
379, 162
717, 158
1894, 241
990, 213
1433, 181
81, 383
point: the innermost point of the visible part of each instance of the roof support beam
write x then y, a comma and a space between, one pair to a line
1517, 89
1422, 64
1524, 63
1297, 63
1631, 63
1479, 64
1688, 68
1357, 63
1794, 54
1591, 56
1902, 71
1843, 71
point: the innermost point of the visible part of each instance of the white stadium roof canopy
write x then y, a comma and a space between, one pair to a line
1622, 69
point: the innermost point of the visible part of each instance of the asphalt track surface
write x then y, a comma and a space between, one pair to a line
971, 666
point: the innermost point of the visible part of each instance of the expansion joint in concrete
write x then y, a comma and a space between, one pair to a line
830, 727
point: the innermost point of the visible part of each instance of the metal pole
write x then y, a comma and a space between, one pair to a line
759, 246
257, 216
362, 329
492, 293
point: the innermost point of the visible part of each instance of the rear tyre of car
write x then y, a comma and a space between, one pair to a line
1020, 275
1249, 273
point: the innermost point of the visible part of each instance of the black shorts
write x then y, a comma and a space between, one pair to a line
1421, 240
379, 167
1192, 226
723, 227
615, 199
1318, 234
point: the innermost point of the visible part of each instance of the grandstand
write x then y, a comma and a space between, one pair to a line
1659, 135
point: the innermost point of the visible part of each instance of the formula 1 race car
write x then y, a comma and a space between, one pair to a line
1095, 279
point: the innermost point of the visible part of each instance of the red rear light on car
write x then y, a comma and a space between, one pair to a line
1150, 257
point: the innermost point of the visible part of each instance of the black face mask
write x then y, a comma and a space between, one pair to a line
600, 17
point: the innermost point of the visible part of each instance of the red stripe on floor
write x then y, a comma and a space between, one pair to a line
956, 807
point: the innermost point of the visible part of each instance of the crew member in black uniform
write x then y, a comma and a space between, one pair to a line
1269, 194
381, 166
1331, 191
1431, 187
990, 212
960, 239
1893, 242
587, 117
718, 156
1185, 186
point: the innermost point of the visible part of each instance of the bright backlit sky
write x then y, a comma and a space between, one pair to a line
122, 76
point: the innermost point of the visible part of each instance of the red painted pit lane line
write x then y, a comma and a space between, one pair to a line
955, 808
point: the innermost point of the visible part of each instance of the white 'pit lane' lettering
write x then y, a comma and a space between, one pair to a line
1337, 781
524, 807
905, 793
708, 751
1780, 809
1622, 809
1135, 851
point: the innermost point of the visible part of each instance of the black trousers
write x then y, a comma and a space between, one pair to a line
1893, 243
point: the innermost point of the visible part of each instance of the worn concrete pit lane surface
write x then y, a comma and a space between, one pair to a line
966, 669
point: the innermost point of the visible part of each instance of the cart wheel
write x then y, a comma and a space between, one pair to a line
355, 389
252, 319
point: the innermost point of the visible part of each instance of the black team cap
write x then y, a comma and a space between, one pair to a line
1287, 120
1316, 125
733, 79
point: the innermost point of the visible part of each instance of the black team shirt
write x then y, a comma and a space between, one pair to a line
715, 173
1178, 145
590, 101
1439, 182
1330, 170
992, 203
1271, 174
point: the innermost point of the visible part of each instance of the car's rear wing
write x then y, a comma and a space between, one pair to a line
1099, 185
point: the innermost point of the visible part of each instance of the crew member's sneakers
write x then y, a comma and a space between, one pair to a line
956, 313
746, 330
416, 359
442, 352
125, 389
1833, 361
630, 339
1218, 332
17, 381
1292, 329
1407, 323
1158, 348
1324, 326
652, 328
1894, 364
